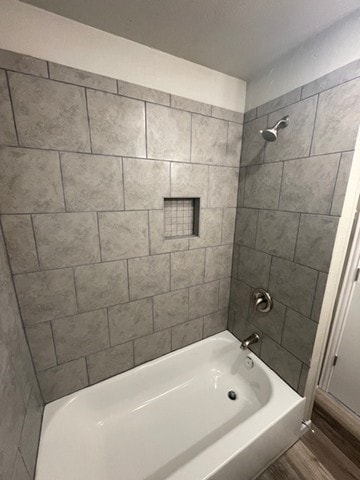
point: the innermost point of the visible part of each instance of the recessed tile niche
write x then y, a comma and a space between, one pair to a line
181, 217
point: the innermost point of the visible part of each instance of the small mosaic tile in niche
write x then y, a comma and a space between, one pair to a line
181, 217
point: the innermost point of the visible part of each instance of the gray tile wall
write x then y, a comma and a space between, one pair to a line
289, 202
21, 404
85, 164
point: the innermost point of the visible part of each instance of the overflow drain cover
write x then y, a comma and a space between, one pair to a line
232, 395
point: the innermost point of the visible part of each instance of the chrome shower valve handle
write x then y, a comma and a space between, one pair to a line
262, 300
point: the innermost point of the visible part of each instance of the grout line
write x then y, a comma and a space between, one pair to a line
191, 138
88, 120
12, 108
281, 184
99, 236
54, 345
297, 237
62, 181
108, 326
35, 242
314, 297
128, 279
19, 309
76, 293
335, 183
314, 125
134, 157
146, 129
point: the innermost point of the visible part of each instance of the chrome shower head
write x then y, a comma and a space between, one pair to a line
270, 134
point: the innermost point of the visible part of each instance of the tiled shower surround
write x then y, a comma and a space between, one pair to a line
290, 198
20, 400
85, 166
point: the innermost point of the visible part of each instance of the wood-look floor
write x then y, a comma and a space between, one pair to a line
332, 452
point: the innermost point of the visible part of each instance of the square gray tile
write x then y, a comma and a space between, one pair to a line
337, 119
224, 292
293, 141
223, 185
316, 241
187, 268
285, 364
276, 233
35, 177
250, 115
168, 133
203, 299
279, 102
101, 285
81, 77
308, 184
117, 124
65, 239
23, 63
92, 182
228, 225
45, 295
123, 235
299, 335
110, 362
254, 267
246, 226
20, 243
49, 114
145, 191
262, 185
293, 284
241, 187
7, 126
270, 323
170, 309
209, 139
20, 472
332, 79
240, 296
149, 276
60, 381
190, 181
13, 413
226, 114
210, 228
152, 346
41, 345
80, 335
130, 320
215, 322
186, 333
30, 434
233, 148
158, 242
253, 145
143, 93
218, 262
190, 105
341, 182
319, 296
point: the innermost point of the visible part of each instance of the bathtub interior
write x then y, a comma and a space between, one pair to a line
154, 420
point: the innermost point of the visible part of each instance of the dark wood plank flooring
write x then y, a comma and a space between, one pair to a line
332, 452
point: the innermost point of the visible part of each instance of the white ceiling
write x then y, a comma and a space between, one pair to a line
237, 37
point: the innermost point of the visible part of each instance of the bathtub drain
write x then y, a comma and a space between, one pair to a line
232, 395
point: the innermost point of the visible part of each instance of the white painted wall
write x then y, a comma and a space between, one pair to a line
331, 49
32, 31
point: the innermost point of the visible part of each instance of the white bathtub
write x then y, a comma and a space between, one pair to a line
172, 419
